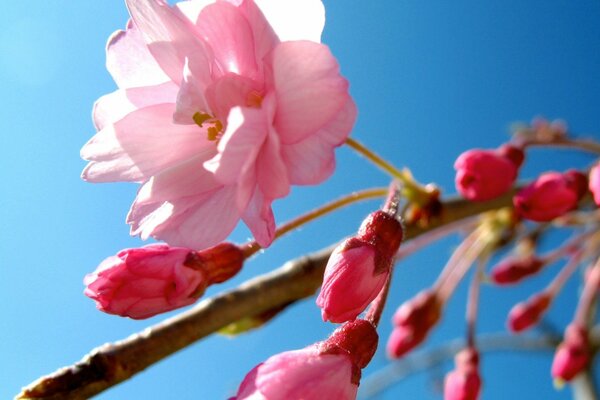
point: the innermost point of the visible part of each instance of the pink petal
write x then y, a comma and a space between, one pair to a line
240, 145
230, 91
114, 106
129, 61
169, 35
310, 91
312, 160
190, 98
140, 145
293, 19
259, 218
265, 38
271, 171
227, 31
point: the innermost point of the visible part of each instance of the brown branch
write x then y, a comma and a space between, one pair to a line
113, 363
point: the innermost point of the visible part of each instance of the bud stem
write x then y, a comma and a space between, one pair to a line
558, 282
588, 296
589, 146
473, 300
252, 247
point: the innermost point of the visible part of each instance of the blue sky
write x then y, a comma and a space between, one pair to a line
431, 79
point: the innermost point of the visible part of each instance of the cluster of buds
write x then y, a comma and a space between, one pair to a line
326, 370
143, 282
359, 267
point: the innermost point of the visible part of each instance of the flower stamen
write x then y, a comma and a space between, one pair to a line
214, 131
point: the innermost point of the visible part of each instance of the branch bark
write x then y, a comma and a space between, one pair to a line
112, 363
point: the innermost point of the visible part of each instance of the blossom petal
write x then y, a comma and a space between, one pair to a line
140, 145
295, 20
229, 91
197, 222
129, 61
271, 171
260, 219
169, 35
310, 91
312, 160
228, 33
114, 106
239, 146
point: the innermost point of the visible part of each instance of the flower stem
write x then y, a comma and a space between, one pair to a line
588, 296
377, 306
252, 247
589, 146
473, 300
559, 281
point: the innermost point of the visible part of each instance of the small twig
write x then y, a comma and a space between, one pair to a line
113, 363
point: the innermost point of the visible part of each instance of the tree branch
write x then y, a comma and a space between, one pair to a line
112, 363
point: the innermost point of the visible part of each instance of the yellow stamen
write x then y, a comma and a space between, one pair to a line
213, 131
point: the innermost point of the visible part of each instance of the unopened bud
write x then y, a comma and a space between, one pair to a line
464, 382
359, 267
359, 338
526, 314
486, 174
513, 270
550, 196
594, 183
573, 354
140, 283
412, 323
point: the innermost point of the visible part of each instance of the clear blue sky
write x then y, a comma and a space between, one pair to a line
431, 79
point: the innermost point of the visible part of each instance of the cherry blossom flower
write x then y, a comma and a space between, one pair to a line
221, 107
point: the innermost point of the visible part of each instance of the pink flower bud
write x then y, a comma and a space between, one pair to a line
359, 267
594, 183
551, 195
413, 320
573, 354
526, 314
326, 370
140, 283
464, 383
485, 174
513, 270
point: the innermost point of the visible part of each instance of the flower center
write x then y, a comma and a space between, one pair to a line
215, 129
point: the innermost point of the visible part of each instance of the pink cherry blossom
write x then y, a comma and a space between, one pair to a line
221, 107
573, 354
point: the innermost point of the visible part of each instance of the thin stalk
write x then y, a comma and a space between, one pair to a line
565, 273
457, 257
379, 161
252, 247
589, 146
588, 296
473, 301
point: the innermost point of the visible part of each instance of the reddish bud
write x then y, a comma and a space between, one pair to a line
359, 267
594, 183
573, 354
140, 283
412, 323
486, 174
219, 263
325, 370
551, 195
513, 270
358, 338
526, 314
464, 382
